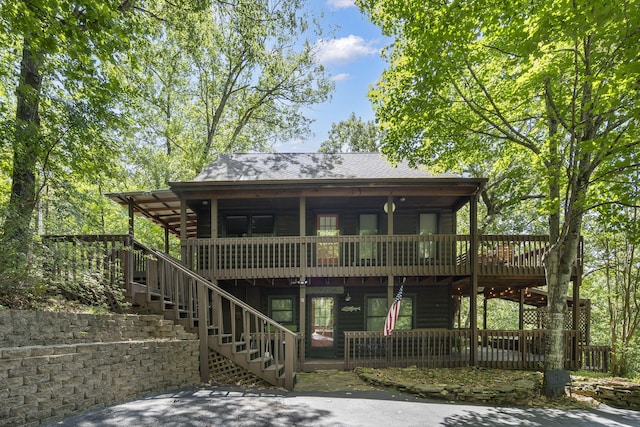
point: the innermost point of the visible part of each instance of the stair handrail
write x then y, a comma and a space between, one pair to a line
289, 336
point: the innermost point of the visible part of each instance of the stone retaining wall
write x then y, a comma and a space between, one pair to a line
53, 365
520, 392
614, 392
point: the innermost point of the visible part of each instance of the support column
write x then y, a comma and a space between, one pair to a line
166, 240
473, 301
214, 217
203, 331
131, 217
390, 295
521, 316
183, 232
390, 261
484, 315
303, 321
302, 218
129, 257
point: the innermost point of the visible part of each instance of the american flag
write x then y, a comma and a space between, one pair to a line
392, 316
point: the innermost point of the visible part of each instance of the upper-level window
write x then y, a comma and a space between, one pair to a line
249, 225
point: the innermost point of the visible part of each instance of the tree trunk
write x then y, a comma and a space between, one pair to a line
26, 144
559, 262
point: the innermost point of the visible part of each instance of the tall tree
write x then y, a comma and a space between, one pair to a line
351, 136
556, 83
233, 76
61, 73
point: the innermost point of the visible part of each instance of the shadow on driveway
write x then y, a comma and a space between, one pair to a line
231, 406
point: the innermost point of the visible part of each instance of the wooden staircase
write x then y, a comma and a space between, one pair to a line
256, 343
157, 283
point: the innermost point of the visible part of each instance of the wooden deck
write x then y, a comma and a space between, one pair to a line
449, 348
249, 337
365, 256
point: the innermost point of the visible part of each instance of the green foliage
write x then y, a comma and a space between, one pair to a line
352, 136
228, 77
540, 93
614, 283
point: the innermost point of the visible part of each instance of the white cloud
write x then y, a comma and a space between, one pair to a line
344, 50
341, 77
340, 4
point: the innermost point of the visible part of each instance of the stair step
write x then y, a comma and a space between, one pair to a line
250, 352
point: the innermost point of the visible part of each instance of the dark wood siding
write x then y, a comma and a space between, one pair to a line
432, 309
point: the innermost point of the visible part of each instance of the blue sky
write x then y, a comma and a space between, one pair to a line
351, 55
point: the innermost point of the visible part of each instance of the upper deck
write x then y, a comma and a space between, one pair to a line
510, 257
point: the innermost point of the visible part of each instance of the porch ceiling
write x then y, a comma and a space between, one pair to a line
162, 207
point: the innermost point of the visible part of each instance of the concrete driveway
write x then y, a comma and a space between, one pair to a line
228, 406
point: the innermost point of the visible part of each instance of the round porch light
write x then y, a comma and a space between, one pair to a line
386, 207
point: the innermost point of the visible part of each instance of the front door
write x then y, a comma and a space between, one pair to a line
322, 326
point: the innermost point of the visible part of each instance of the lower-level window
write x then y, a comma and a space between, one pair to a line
377, 309
281, 309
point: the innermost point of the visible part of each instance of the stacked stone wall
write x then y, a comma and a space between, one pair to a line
53, 365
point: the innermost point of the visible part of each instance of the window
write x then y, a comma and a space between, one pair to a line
281, 309
262, 225
246, 225
377, 309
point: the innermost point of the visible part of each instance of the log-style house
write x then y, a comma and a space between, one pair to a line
289, 260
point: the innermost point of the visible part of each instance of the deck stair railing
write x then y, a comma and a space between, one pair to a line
223, 322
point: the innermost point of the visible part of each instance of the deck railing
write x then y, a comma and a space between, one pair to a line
362, 256
438, 348
110, 257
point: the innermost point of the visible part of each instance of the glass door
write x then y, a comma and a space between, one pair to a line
368, 226
322, 327
428, 226
328, 251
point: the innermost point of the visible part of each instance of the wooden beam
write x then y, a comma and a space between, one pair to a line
473, 301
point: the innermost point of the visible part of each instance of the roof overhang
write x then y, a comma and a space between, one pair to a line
162, 207
456, 190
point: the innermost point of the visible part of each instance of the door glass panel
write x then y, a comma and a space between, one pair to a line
368, 227
428, 226
328, 251
322, 322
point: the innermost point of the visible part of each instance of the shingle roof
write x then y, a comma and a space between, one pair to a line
304, 166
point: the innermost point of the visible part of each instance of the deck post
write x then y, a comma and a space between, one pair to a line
302, 217
289, 361
303, 322
390, 209
473, 297
129, 268
521, 313
203, 331
183, 233
576, 316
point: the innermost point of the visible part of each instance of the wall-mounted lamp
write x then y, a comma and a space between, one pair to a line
347, 297
386, 207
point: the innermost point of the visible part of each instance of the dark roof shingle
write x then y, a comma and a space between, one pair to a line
301, 166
